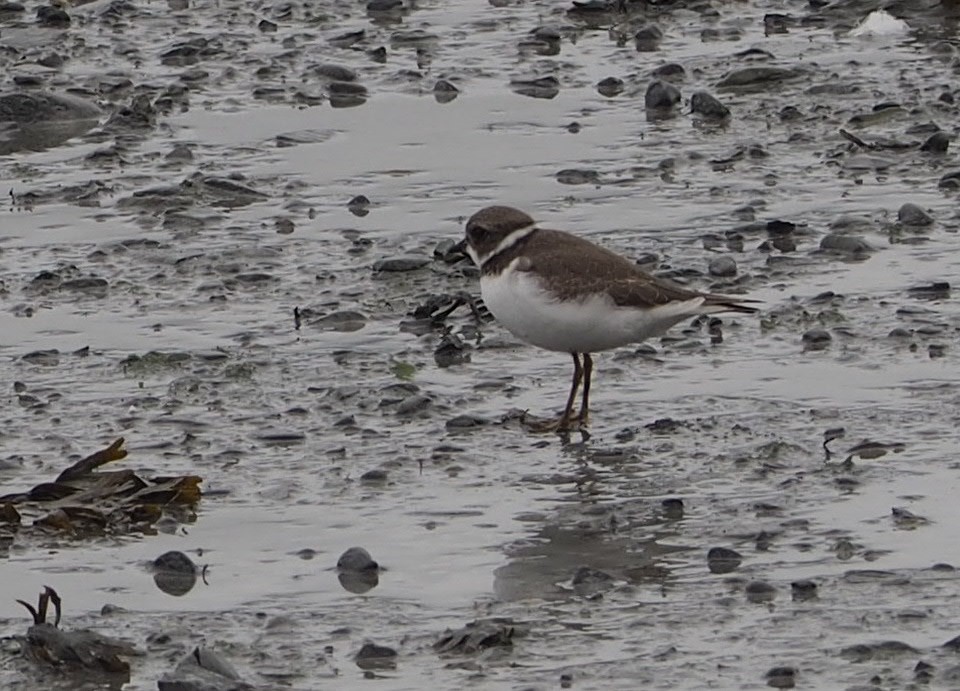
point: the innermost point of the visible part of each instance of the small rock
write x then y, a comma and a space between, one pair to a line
414, 404
708, 106
373, 656
723, 560
803, 590
722, 267
669, 72
937, 143
912, 215
400, 264
846, 244
374, 476
174, 561
760, 591
661, 95
816, 339
648, 37
357, 559
781, 677
610, 87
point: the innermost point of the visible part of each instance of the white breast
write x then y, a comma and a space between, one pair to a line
594, 323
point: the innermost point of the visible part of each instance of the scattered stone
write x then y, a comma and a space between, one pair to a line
400, 264
174, 561
536, 87
723, 560
204, 669
803, 591
54, 17
759, 592
373, 656
648, 37
374, 476
845, 244
816, 339
661, 96
610, 87
578, 176
337, 73
913, 215
781, 677
937, 143
45, 358
414, 404
669, 72
462, 422
708, 106
589, 582
477, 636
761, 76
359, 205
722, 267
673, 509
357, 559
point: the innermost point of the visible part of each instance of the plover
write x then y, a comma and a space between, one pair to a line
563, 293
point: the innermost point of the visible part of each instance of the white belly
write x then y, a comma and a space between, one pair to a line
590, 325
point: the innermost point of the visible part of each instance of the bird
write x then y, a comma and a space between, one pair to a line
563, 293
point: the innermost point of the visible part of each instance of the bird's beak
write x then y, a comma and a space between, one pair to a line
460, 247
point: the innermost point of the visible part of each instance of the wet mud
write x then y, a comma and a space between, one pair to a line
228, 239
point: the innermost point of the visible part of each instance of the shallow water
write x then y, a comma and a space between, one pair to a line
282, 423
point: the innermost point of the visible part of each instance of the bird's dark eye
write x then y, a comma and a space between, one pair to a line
478, 234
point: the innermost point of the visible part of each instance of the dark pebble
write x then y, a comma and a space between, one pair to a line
661, 95
346, 89
47, 15
803, 590
847, 244
648, 37
373, 656
337, 73
708, 106
672, 508
374, 476
723, 560
950, 181
174, 561
670, 72
781, 677
47, 358
937, 143
912, 215
610, 87
466, 422
267, 27
577, 176
756, 76
414, 404
760, 591
816, 339
356, 559
399, 264
722, 267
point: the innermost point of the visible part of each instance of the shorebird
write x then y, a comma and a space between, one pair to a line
563, 293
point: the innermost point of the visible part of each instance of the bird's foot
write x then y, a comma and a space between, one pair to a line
561, 425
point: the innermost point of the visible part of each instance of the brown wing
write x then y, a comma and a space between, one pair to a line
594, 269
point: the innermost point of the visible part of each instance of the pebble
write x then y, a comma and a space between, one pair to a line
756, 76
610, 87
373, 656
357, 559
707, 105
937, 143
722, 267
400, 264
760, 591
723, 559
781, 677
648, 37
661, 95
174, 561
803, 590
913, 215
846, 244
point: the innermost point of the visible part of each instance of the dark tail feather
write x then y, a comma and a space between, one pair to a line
726, 303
